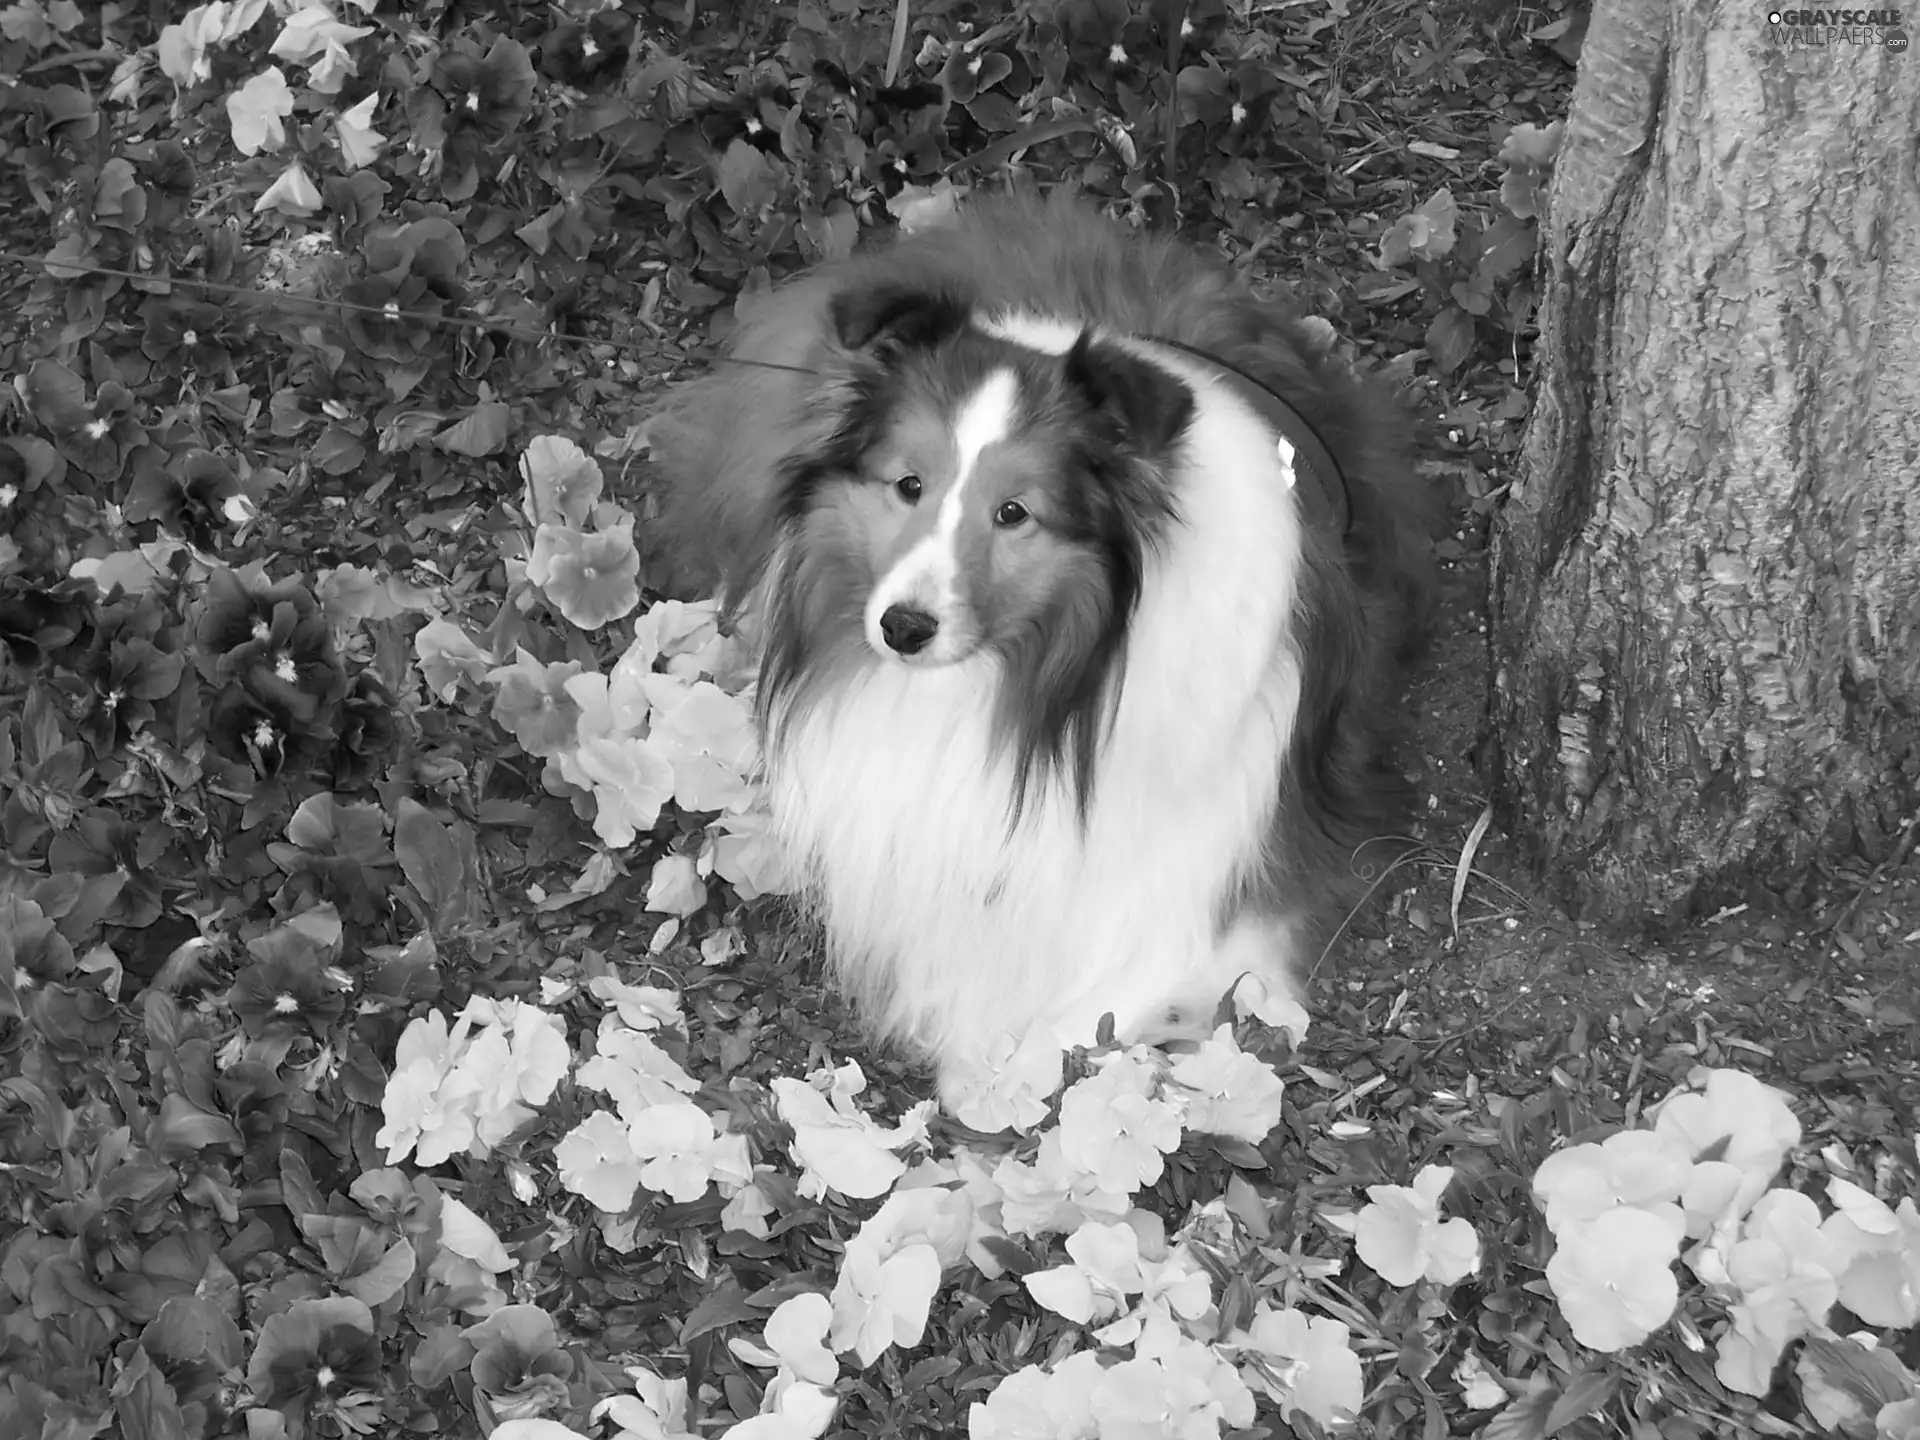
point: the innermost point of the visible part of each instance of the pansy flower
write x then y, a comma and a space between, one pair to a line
385, 322
596, 1161
1104, 1272
581, 53
1012, 1087
36, 952
1401, 1235
532, 702
194, 494
563, 482
96, 436
1633, 1167
277, 996
892, 1267
519, 1363
127, 681
185, 336
99, 843
1229, 1092
368, 732
1729, 1116
34, 622
1783, 1269
1187, 1394
269, 738
591, 576
1113, 1129
470, 103
1898, 1420
317, 1356
274, 640
429, 1102
1037, 1404
657, 1410
1878, 1254
1302, 1362
1613, 1276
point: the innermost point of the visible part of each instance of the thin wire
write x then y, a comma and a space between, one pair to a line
467, 322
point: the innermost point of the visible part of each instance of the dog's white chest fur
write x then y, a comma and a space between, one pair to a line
949, 927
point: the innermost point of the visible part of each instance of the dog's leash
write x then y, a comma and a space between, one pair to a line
1326, 489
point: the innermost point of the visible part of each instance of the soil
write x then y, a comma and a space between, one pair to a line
1825, 1003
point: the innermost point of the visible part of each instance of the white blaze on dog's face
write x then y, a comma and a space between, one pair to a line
961, 492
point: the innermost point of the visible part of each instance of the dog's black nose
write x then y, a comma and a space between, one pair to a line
906, 629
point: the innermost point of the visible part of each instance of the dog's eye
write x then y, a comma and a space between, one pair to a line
1010, 514
909, 488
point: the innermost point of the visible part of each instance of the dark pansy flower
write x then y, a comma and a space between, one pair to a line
316, 1357
275, 643
186, 335
470, 104
969, 75
36, 622
22, 473
431, 248
368, 732
580, 53
168, 172
1105, 38
190, 494
387, 323
759, 119
31, 947
276, 996
100, 843
135, 674
266, 736
518, 1363
105, 435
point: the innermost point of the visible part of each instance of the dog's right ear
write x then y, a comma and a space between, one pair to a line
896, 318
1153, 405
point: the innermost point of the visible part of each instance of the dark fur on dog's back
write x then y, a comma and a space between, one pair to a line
1363, 597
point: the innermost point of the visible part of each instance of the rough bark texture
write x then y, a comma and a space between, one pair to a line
1706, 587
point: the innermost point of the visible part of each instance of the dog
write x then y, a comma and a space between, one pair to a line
1084, 581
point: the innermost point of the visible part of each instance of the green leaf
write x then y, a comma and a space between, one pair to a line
482, 432
192, 1329
442, 1352
1450, 339
326, 826
1845, 1385
386, 1278
55, 396
183, 1129
729, 1305
440, 862
297, 1190
1587, 1393
146, 1403
748, 179
1524, 1418
338, 451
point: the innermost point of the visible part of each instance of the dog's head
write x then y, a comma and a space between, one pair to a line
981, 494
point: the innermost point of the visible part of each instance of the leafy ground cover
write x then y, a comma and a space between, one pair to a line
401, 1029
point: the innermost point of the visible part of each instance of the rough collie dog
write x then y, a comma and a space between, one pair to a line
1082, 576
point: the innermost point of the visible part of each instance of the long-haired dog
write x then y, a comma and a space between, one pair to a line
1083, 577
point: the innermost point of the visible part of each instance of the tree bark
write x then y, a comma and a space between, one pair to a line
1706, 579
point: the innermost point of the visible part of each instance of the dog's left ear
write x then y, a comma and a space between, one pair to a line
1151, 405
895, 317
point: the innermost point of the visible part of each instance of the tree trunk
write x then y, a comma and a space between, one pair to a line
1706, 580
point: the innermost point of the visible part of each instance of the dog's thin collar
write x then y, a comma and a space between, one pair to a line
1326, 489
